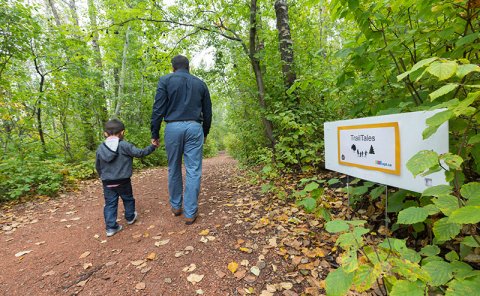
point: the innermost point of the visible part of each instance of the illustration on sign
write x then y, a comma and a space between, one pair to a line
370, 146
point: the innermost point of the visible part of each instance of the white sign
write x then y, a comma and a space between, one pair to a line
378, 148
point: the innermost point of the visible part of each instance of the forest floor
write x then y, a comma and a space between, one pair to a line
243, 242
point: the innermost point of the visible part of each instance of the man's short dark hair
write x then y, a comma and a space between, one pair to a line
114, 127
180, 62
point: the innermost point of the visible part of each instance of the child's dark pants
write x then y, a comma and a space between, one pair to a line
111, 195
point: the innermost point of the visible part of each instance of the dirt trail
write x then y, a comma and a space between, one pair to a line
70, 253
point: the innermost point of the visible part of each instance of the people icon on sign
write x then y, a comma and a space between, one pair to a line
364, 153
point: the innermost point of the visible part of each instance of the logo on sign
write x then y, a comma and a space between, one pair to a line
379, 162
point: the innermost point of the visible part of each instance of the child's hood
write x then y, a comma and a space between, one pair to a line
108, 151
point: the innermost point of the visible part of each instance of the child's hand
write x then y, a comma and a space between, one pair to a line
155, 143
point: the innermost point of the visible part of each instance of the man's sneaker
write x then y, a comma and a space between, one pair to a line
111, 232
130, 222
176, 212
190, 221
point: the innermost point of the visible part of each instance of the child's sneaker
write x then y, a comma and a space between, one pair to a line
111, 232
133, 220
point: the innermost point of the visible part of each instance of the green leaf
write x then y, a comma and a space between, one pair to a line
437, 190
422, 161
311, 186
471, 242
463, 287
403, 288
474, 140
350, 261
376, 192
442, 70
452, 160
439, 118
338, 282
439, 271
466, 215
431, 209
308, 203
337, 226
470, 38
430, 250
452, 256
365, 277
417, 66
445, 230
443, 91
463, 70
446, 203
333, 181
412, 215
471, 190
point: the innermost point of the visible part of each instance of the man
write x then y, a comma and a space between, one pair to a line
183, 102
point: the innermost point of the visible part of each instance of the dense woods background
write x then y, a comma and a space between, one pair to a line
277, 70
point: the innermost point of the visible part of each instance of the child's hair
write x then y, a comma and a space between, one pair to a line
114, 127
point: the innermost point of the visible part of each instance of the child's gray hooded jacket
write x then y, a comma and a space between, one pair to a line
115, 158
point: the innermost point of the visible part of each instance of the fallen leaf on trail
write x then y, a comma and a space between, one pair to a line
162, 242
286, 285
137, 262
103, 241
189, 248
137, 236
48, 273
146, 269
152, 256
272, 243
246, 250
266, 293
244, 263
233, 266
195, 278
240, 241
211, 238
87, 265
110, 263
84, 255
189, 268
68, 226
179, 254
96, 236
255, 270
220, 274
204, 240
63, 220
199, 292
140, 286
20, 254
146, 234
75, 219
34, 221
167, 280
151, 227
271, 288
156, 237
182, 232
204, 232
40, 243
240, 274
82, 283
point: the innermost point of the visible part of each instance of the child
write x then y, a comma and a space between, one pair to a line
114, 165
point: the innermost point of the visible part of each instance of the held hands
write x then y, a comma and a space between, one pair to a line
155, 142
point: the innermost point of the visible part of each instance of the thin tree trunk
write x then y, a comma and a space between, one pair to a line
285, 43
51, 3
258, 72
121, 83
73, 10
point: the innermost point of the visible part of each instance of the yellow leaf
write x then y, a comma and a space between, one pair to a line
233, 266
204, 232
246, 250
86, 254
152, 256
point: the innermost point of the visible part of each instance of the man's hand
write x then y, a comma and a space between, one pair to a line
155, 143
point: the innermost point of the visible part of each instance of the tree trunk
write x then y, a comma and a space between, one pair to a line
258, 72
51, 3
39, 112
285, 43
73, 10
121, 83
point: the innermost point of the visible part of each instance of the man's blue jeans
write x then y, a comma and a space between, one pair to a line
111, 195
184, 138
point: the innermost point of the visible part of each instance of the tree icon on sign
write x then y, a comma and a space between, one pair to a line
371, 150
